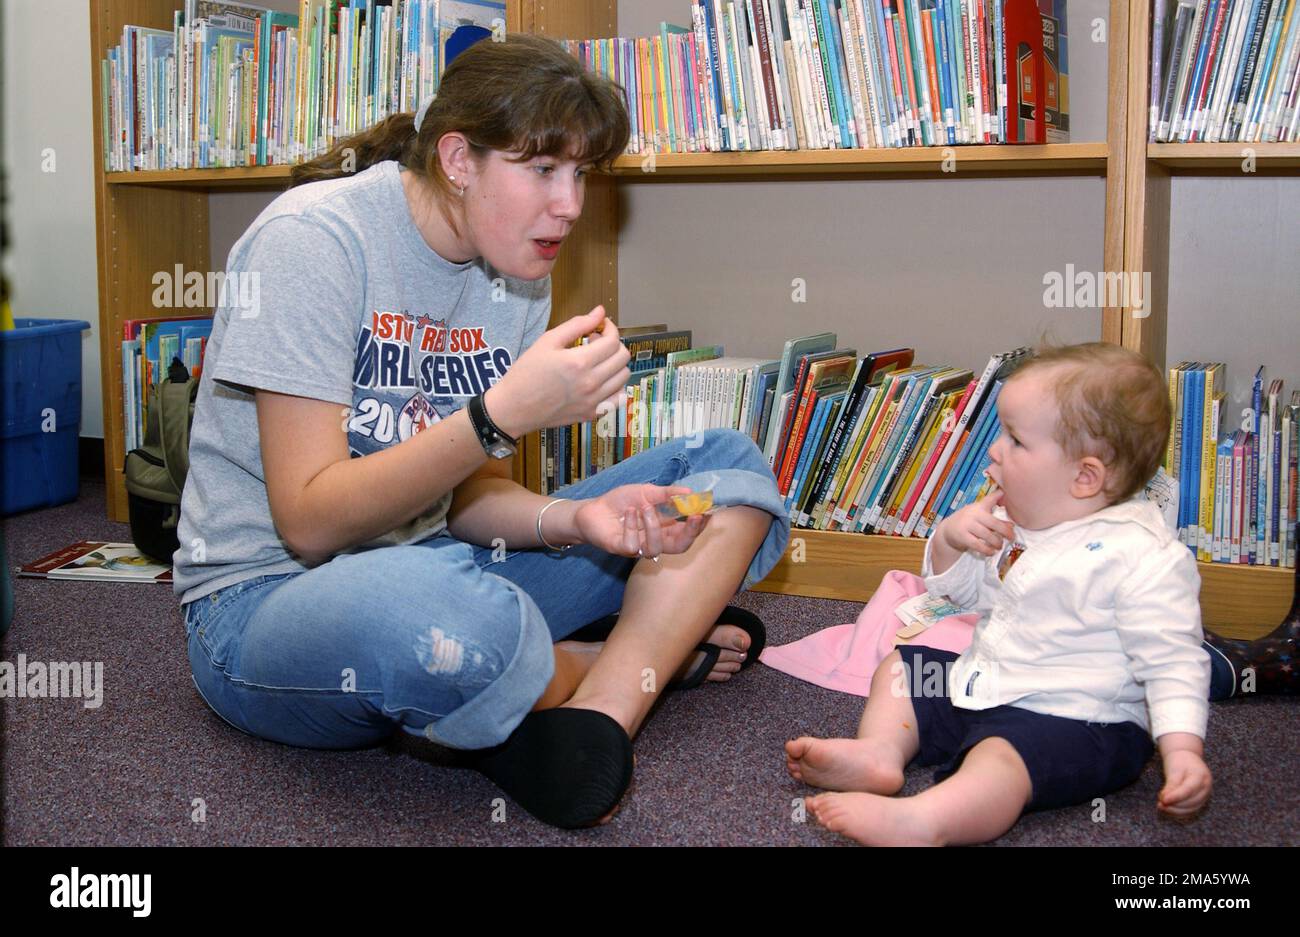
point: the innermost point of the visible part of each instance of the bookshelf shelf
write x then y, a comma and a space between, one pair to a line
848, 566
1086, 158
263, 177
1074, 158
1194, 157
150, 221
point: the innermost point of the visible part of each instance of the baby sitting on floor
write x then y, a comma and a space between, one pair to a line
1086, 648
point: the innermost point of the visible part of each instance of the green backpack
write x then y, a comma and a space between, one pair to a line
155, 472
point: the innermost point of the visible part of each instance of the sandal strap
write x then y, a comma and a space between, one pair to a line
700, 673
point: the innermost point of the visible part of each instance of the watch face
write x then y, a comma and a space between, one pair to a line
501, 450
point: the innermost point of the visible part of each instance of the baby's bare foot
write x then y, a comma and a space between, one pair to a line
844, 764
872, 820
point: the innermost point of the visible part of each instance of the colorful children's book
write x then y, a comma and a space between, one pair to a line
94, 559
795, 350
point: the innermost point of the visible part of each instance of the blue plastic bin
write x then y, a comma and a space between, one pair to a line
40, 375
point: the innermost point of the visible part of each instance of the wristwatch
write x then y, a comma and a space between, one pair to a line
495, 443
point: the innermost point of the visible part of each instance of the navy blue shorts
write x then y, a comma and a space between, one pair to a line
1069, 761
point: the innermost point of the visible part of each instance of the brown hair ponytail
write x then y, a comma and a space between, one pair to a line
525, 95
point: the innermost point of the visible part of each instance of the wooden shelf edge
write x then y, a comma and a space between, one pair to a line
1236, 601
1086, 158
245, 176
1190, 157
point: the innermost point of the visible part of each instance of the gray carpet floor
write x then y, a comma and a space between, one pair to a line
710, 765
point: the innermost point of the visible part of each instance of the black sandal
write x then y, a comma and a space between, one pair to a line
567, 767
741, 618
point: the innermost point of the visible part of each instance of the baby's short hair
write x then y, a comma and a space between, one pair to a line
1113, 404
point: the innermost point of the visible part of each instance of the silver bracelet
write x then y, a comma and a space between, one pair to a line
550, 547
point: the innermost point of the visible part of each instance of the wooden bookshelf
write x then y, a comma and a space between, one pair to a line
247, 177
149, 221
1075, 158
1202, 157
1238, 601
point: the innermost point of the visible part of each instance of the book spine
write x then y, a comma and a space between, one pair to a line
1159, 19
1212, 62
879, 424
1220, 473
1252, 526
1284, 74
1199, 69
899, 424
817, 412
873, 28
1177, 53
1293, 487
932, 77
803, 72
907, 68
916, 51
875, 111
929, 478
855, 450
1263, 101
1189, 58
1250, 63
911, 430
1274, 499
1225, 80
1248, 10
863, 123
1209, 432
907, 126
767, 64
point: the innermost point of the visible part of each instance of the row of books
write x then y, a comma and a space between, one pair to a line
1237, 491
871, 444
829, 74
148, 348
235, 84
1225, 71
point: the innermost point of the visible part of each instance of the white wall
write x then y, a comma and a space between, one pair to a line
47, 106
1234, 279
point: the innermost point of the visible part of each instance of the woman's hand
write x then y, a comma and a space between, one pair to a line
554, 384
625, 520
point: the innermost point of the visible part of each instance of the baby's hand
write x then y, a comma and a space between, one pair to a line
1187, 784
975, 528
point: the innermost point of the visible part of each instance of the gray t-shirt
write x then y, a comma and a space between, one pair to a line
333, 294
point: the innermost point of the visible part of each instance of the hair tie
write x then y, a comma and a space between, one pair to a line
424, 109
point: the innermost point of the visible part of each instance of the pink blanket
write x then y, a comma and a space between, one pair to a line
844, 657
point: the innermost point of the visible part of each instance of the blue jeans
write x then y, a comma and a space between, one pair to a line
434, 636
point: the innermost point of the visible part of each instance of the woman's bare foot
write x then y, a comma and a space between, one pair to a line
873, 820
725, 636
844, 764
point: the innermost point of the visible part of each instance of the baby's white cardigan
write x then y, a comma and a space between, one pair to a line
1098, 620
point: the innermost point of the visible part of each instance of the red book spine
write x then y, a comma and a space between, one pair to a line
791, 449
801, 431
919, 485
